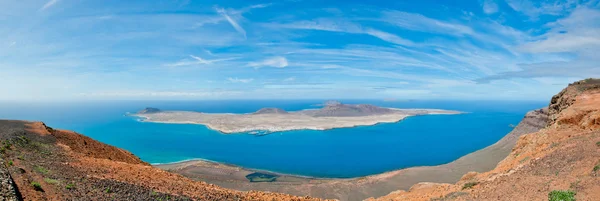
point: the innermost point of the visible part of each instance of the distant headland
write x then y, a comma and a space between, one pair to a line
333, 114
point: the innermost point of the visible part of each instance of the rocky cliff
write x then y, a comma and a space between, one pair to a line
561, 161
41, 163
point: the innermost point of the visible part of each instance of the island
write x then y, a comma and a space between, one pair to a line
333, 114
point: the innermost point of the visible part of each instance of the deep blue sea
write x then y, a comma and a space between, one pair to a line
339, 153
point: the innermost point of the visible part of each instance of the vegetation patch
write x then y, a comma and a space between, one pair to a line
41, 169
37, 186
70, 186
524, 159
598, 143
51, 181
561, 196
469, 185
10, 163
596, 168
5, 146
21, 141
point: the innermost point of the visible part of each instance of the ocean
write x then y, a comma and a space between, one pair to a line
337, 153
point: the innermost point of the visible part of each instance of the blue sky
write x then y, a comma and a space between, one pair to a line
295, 49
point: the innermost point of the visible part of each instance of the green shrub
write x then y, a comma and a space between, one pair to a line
469, 185
50, 181
598, 143
41, 169
10, 163
37, 186
596, 168
108, 190
561, 196
70, 186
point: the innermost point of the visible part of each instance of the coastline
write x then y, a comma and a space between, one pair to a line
228, 123
358, 188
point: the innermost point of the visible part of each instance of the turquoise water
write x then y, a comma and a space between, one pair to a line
340, 153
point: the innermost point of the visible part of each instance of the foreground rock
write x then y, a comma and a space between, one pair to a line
41, 163
332, 115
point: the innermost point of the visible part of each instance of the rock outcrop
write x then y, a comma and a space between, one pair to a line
8, 191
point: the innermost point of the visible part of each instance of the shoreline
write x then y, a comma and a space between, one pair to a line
359, 188
230, 123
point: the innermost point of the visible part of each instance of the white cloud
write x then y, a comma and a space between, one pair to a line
259, 6
231, 21
534, 10
388, 37
48, 4
341, 25
490, 7
562, 43
159, 94
238, 80
324, 24
418, 22
574, 40
289, 79
579, 32
197, 61
277, 62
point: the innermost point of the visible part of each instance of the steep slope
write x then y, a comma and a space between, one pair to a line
41, 163
563, 156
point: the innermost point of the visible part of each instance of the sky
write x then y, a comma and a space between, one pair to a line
296, 49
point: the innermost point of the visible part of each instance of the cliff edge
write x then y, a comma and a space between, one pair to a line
560, 161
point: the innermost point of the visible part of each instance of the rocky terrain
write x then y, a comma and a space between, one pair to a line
332, 115
41, 163
559, 162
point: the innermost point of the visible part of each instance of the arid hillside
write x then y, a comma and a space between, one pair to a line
559, 162
41, 163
